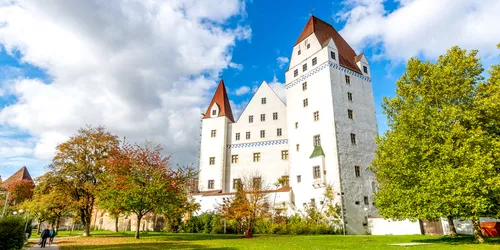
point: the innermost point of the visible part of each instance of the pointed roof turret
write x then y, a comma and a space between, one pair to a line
222, 101
324, 32
21, 174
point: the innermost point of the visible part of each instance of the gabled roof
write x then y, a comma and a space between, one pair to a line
324, 32
21, 174
220, 98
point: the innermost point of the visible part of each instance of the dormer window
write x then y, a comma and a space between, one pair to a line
365, 69
214, 112
332, 55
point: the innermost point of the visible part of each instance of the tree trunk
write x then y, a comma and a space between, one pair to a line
478, 234
39, 226
453, 231
138, 228
86, 222
116, 224
57, 223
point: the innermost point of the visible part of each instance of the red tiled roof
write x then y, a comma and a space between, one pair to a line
221, 99
324, 32
21, 174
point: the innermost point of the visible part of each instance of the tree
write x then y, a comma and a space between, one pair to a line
79, 165
440, 155
140, 180
20, 191
248, 205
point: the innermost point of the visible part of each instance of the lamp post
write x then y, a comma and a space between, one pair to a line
5, 205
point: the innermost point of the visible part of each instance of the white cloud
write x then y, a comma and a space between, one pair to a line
422, 27
282, 61
243, 90
235, 66
143, 69
279, 88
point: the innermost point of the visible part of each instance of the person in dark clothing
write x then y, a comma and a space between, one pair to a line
45, 235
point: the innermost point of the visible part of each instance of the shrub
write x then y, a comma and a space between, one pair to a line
12, 233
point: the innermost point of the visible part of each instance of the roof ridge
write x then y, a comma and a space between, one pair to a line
220, 98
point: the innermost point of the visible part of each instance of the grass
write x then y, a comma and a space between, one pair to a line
104, 240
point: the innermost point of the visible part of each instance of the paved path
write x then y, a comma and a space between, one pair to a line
51, 247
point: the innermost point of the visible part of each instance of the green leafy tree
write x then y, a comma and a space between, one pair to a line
440, 155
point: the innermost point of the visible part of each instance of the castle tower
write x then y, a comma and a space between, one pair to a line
331, 123
215, 124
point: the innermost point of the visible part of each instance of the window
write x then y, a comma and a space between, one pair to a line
286, 180
349, 96
305, 102
316, 116
347, 79
234, 158
357, 202
212, 160
250, 118
308, 45
296, 125
315, 61
304, 67
214, 112
256, 157
210, 184
353, 138
295, 73
257, 182
263, 117
213, 133
366, 200
297, 147
236, 182
248, 135
262, 133
298, 52
332, 55
275, 116
284, 154
349, 114
263, 100
357, 172
317, 140
299, 178
278, 132
237, 136
316, 172
365, 69
304, 85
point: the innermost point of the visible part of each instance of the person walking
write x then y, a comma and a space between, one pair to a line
52, 234
45, 235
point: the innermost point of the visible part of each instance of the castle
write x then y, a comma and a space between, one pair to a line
324, 134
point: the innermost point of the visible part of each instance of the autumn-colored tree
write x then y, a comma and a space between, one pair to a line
248, 205
20, 191
440, 156
79, 164
141, 180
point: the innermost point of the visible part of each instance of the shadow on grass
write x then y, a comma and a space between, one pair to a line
142, 245
459, 240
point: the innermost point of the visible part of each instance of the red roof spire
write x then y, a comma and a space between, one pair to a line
21, 174
324, 32
220, 98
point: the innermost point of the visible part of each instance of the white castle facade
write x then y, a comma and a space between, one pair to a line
324, 134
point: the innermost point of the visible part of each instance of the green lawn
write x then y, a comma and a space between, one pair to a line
108, 240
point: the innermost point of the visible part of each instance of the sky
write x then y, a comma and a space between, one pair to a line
146, 70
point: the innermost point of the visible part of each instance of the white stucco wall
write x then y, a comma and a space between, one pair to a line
379, 226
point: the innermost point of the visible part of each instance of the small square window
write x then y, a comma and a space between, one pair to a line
347, 79
304, 86
250, 118
305, 102
304, 67
316, 116
275, 116
349, 96
210, 184
299, 52
256, 157
295, 73
366, 200
248, 135
357, 202
237, 136
262, 117
263, 100
213, 133
365, 69
212, 160
214, 112
314, 61
236, 182
234, 158
299, 178
350, 114
284, 154
308, 45
353, 138
296, 125
257, 181
357, 172
316, 172
317, 140
278, 132
285, 179
332, 55
262, 133
297, 147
